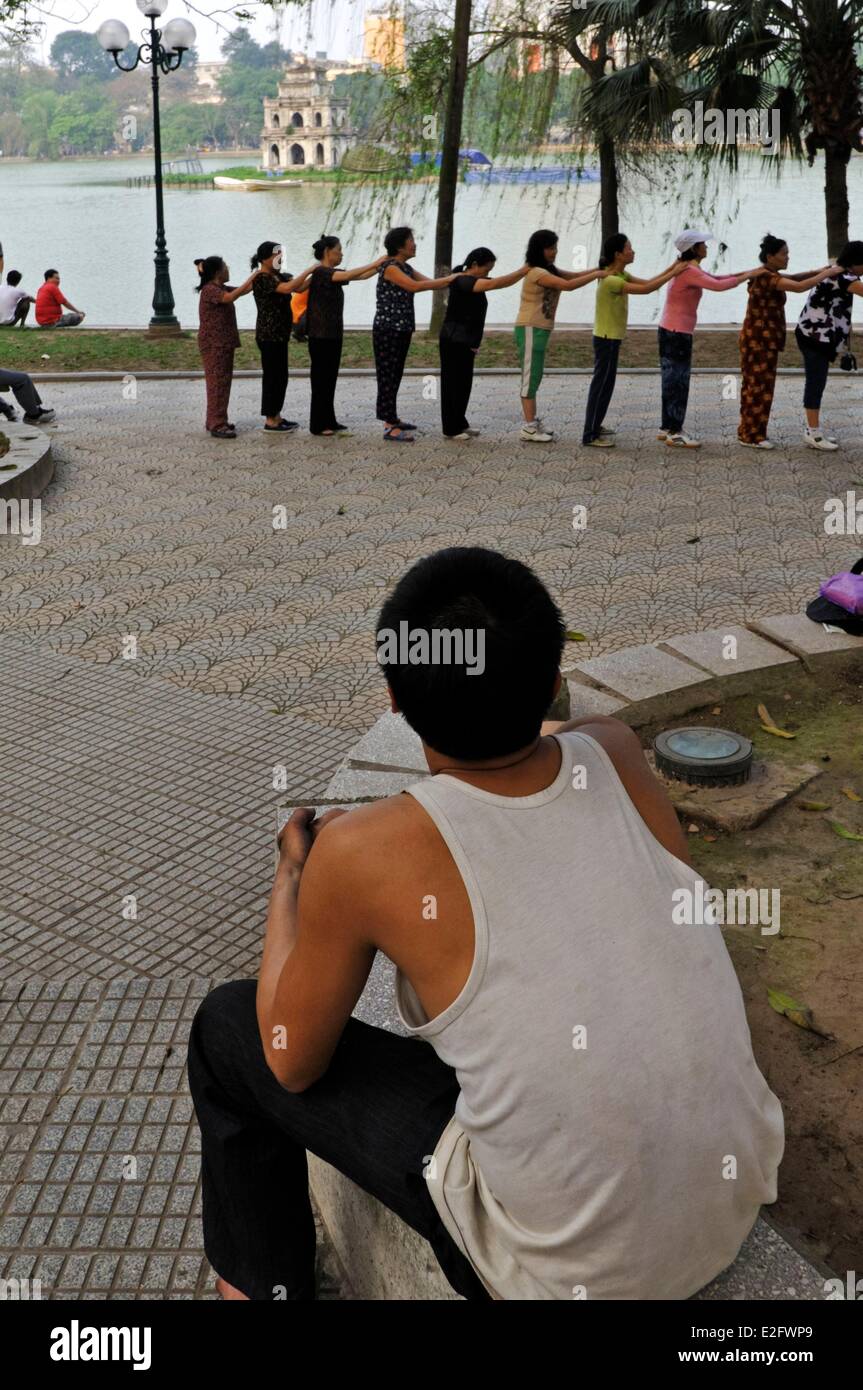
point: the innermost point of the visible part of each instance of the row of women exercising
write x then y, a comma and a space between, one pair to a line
822, 332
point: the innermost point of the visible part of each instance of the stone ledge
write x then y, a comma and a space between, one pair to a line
28, 467
385, 1259
807, 640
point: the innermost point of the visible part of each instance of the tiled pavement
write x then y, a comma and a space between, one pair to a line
138, 795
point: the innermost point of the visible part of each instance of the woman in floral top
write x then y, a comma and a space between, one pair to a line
762, 337
218, 339
394, 323
823, 328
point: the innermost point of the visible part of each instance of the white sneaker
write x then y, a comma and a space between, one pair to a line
762, 444
607, 432
464, 435
600, 442
816, 440
662, 435
473, 433
682, 441
535, 434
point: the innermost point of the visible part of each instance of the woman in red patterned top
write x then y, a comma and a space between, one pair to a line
762, 337
218, 339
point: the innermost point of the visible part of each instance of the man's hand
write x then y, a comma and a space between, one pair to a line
299, 834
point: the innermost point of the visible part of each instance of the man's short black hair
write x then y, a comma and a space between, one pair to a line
49, 273
497, 711
14, 277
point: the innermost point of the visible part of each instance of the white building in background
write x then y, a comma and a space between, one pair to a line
206, 91
305, 124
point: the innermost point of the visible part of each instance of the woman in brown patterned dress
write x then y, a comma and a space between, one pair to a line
218, 339
762, 337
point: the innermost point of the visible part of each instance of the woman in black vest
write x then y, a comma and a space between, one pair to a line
461, 335
325, 330
272, 290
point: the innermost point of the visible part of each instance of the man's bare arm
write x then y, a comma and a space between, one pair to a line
315, 962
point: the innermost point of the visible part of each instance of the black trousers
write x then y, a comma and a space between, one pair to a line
456, 382
376, 1115
605, 354
391, 350
21, 386
816, 364
675, 368
274, 379
325, 355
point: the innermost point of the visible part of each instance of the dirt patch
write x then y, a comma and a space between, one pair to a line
817, 955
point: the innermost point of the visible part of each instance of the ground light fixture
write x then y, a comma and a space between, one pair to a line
163, 51
703, 757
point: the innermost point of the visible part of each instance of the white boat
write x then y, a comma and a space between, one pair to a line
253, 185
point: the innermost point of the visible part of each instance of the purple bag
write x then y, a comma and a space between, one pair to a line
846, 590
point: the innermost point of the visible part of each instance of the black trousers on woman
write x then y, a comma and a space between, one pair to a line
391, 350
376, 1115
274, 379
456, 383
325, 355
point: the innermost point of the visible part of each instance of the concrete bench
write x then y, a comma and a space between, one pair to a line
383, 1258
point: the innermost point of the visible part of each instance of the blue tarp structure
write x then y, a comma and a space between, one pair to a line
472, 156
553, 174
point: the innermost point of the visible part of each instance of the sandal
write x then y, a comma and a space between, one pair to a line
399, 435
224, 432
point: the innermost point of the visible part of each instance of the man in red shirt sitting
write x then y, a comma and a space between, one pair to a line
50, 302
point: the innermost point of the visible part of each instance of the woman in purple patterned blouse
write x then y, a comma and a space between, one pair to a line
218, 339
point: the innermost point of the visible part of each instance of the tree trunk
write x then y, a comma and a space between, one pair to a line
608, 187
450, 145
836, 198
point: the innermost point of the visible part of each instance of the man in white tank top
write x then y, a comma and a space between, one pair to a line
576, 1111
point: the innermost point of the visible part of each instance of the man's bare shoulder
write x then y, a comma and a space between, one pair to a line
365, 836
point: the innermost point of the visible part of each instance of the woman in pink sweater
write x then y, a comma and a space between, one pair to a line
676, 328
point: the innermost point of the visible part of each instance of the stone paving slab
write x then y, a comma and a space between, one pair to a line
749, 653
659, 683
808, 640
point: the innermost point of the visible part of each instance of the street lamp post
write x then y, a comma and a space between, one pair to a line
163, 50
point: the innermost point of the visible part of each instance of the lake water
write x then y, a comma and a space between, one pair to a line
79, 216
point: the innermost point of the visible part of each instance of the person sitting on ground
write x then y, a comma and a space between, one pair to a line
21, 385
50, 303
14, 302
579, 1068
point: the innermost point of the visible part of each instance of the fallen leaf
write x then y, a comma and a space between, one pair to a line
575, 637
761, 711
340, 511
813, 805
843, 833
692, 829
790, 1009
851, 794
777, 733
8, 467
710, 839
693, 540
717, 709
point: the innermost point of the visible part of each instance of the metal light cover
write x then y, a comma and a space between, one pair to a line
703, 756
178, 35
152, 8
113, 35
